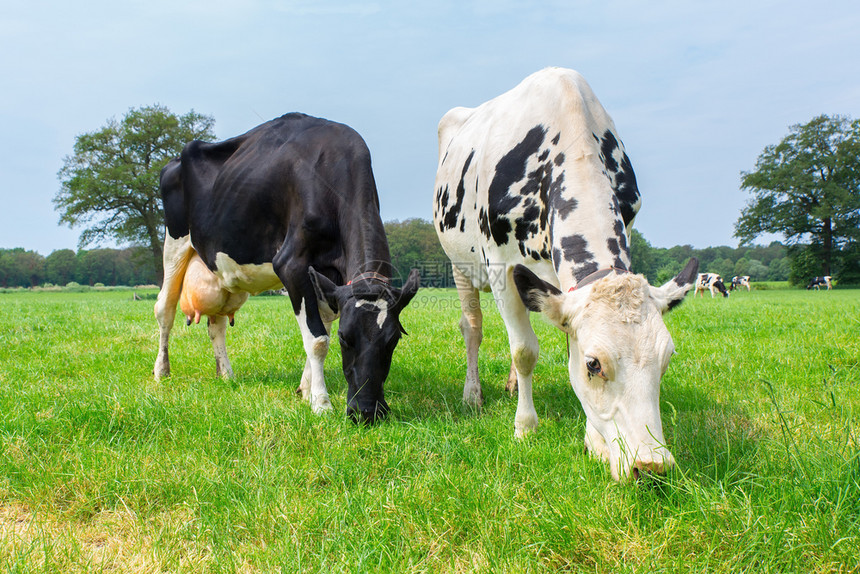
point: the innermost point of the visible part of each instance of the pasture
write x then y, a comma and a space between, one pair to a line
103, 469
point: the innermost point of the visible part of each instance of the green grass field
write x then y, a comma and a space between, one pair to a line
103, 469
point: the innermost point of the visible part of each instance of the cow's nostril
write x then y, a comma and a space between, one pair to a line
642, 469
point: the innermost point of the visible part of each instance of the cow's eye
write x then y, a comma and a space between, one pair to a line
593, 366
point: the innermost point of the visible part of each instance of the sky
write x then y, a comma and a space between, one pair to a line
696, 90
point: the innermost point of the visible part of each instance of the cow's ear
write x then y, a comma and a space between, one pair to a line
409, 289
672, 293
539, 296
325, 290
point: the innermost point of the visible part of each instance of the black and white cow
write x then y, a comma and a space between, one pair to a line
738, 282
817, 282
290, 203
534, 200
711, 282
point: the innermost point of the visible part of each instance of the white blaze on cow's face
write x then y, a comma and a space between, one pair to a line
620, 349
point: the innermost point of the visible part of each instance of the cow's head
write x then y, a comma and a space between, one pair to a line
720, 286
369, 329
619, 352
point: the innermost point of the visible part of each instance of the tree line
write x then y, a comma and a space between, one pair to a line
22, 268
414, 245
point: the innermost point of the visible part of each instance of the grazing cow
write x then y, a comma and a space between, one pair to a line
738, 282
534, 200
712, 282
291, 203
202, 294
817, 282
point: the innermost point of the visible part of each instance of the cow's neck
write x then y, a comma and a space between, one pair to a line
365, 247
586, 242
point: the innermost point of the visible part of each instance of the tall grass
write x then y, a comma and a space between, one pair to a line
104, 469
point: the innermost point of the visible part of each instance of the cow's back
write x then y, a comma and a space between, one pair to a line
250, 196
524, 164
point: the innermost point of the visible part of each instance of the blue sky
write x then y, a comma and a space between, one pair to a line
696, 90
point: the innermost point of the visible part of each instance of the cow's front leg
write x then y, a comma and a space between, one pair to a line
305, 384
218, 336
315, 338
524, 351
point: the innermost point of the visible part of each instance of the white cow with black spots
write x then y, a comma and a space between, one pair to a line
534, 200
817, 282
711, 282
740, 281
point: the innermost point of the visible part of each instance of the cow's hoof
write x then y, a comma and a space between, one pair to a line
161, 371
522, 432
524, 425
473, 397
321, 405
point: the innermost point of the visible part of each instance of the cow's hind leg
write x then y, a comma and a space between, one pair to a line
471, 326
524, 351
511, 385
218, 336
177, 254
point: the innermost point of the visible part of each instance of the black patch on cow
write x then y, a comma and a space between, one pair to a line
574, 249
556, 138
620, 173
510, 169
453, 213
564, 207
620, 237
484, 223
556, 258
543, 155
608, 145
559, 159
527, 224
612, 245
626, 189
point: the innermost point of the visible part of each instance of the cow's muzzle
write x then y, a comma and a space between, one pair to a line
659, 466
368, 414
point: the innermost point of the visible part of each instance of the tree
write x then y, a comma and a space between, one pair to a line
21, 268
413, 244
60, 266
807, 188
642, 256
110, 182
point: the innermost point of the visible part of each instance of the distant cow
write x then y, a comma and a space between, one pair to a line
817, 282
712, 282
291, 203
738, 282
534, 200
